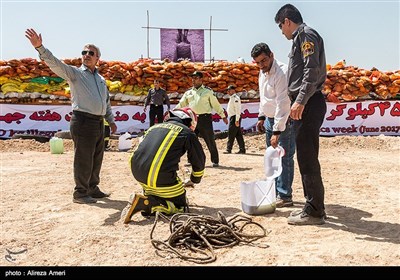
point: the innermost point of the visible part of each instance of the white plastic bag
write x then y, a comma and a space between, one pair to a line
273, 161
125, 142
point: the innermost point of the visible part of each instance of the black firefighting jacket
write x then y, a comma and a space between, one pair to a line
155, 162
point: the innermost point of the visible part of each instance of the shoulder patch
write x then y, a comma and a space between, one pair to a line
207, 87
307, 48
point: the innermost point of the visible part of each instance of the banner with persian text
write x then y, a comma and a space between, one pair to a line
353, 118
180, 44
362, 118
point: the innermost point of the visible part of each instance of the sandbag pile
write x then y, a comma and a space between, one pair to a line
349, 83
129, 82
132, 79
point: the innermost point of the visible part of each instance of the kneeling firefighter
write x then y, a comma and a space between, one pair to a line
155, 162
107, 134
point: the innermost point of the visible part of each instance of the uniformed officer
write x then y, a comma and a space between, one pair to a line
306, 76
156, 97
234, 109
203, 101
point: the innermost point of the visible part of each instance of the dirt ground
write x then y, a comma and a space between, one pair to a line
41, 226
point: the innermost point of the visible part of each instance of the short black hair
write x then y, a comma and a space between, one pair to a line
259, 49
288, 11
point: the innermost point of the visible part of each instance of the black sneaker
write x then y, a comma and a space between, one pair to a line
227, 152
84, 200
99, 194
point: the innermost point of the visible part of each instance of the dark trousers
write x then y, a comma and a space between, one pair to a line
87, 133
156, 111
179, 201
307, 148
205, 129
235, 132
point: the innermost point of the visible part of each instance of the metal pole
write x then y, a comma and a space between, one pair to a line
148, 30
210, 37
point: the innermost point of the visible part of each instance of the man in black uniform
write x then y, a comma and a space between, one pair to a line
156, 160
156, 97
306, 76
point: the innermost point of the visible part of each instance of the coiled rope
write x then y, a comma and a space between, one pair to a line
194, 237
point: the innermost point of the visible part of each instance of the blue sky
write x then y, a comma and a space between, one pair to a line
364, 33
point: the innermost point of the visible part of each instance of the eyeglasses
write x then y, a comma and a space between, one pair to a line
91, 53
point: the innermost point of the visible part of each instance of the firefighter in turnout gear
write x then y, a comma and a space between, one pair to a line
107, 134
155, 162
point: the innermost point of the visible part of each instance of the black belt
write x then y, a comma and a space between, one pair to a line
88, 115
294, 97
203, 115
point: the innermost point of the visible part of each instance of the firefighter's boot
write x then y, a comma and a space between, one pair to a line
137, 203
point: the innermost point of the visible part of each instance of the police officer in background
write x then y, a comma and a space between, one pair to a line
203, 101
156, 97
234, 109
306, 76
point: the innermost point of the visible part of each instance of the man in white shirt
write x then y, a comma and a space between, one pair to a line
274, 111
234, 127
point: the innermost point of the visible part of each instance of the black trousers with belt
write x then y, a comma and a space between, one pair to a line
235, 132
307, 149
87, 133
156, 111
205, 129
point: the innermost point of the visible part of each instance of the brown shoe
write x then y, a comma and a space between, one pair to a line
280, 202
137, 203
303, 218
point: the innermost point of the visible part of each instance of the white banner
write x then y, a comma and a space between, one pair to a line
352, 118
362, 118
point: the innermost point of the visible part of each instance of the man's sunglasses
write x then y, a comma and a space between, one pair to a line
91, 53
